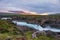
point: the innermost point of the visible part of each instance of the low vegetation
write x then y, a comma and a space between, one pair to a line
9, 31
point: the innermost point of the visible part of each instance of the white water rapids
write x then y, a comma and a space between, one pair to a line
35, 26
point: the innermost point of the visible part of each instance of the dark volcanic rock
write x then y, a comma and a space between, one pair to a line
55, 26
50, 33
57, 37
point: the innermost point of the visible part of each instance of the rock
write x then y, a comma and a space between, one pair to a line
57, 37
55, 26
38, 33
50, 33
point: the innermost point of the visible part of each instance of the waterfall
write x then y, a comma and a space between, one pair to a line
35, 26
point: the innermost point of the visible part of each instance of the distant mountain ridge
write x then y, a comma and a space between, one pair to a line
27, 12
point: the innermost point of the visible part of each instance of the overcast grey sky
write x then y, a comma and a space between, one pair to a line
31, 5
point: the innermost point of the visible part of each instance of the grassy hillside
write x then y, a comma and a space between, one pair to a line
8, 31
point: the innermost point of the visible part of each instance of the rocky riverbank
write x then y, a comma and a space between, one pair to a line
51, 20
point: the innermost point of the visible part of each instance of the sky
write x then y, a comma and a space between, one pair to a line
40, 6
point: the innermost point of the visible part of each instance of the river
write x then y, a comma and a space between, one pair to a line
36, 26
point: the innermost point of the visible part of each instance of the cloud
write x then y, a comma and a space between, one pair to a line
31, 5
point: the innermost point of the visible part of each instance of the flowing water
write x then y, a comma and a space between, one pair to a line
36, 26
